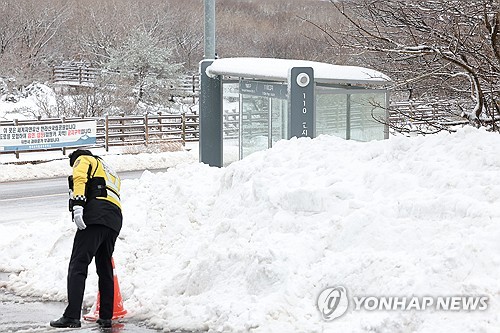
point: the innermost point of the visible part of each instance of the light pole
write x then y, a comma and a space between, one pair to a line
209, 50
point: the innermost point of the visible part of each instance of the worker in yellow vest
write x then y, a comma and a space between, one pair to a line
96, 210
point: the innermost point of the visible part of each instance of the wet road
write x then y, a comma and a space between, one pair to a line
24, 314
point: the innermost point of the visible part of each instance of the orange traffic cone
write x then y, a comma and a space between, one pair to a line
118, 310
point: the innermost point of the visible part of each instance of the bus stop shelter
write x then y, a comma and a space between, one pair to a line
247, 104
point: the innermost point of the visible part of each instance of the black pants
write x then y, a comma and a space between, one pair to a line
99, 241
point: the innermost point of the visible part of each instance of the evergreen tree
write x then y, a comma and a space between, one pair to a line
143, 65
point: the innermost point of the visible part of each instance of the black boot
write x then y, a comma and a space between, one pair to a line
65, 322
104, 323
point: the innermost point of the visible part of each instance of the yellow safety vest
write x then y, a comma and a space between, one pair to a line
93, 178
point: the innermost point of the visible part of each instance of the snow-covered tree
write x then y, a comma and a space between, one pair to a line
143, 64
448, 49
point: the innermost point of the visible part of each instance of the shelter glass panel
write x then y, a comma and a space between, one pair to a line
368, 116
254, 124
264, 117
331, 113
231, 122
279, 120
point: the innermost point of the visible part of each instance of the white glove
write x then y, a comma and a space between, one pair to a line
78, 217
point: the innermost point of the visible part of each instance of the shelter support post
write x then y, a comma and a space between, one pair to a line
210, 117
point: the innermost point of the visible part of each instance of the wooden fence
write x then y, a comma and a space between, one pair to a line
74, 75
157, 128
417, 115
127, 130
148, 129
83, 74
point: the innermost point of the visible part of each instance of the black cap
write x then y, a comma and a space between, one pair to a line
77, 153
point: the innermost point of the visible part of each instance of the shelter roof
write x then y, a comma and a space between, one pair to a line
277, 70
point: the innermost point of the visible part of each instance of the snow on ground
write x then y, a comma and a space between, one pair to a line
32, 101
249, 247
28, 165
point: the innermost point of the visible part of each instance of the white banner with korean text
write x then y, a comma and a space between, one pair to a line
44, 136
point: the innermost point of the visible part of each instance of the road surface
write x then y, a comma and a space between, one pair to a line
19, 200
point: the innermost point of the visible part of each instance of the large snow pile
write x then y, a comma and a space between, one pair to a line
249, 247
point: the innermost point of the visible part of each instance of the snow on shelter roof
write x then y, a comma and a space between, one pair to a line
277, 70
